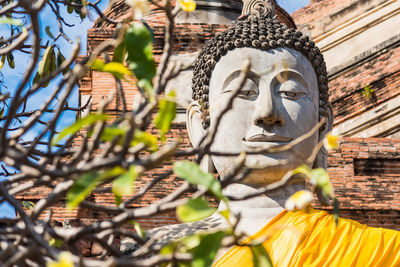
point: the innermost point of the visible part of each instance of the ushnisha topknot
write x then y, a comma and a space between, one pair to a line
261, 32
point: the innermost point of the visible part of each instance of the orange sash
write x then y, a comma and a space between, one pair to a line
312, 239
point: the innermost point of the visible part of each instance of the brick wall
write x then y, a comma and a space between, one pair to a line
188, 38
368, 199
317, 9
381, 73
369, 196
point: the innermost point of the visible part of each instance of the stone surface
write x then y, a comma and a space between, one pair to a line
183, 82
278, 103
376, 122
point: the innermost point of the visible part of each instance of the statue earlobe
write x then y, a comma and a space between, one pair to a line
193, 123
196, 132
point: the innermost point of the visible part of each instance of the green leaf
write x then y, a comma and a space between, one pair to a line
60, 60
303, 169
98, 64
139, 45
320, 178
120, 53
192, 173
3, 59
190, 242
367, 91
109, 133
87, 183
194, 210
336, 210
10, 60
117, 69
36, 79
123, 185
70, 9
205, 252
10, 21
139, 229
28, 204
225, 213
145, 138
44, 64
203, 247
147, 86
49, 32
168, 249
53, 63
260, 256
166, 113
86, 121
57, 243
81, 189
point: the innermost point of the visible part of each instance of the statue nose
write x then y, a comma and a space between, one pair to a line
269, 121
266, 112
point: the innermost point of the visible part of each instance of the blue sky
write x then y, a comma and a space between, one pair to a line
292, 5
12, 76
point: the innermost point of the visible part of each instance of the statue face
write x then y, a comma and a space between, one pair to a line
278, 104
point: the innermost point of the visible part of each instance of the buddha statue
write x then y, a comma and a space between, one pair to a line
284, 96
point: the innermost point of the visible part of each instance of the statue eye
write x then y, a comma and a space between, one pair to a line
249, 91
290, 94
291, 89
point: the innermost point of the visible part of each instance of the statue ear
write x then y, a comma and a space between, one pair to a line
321, 159
196, 132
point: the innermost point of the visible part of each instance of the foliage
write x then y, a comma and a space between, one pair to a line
188, 5
64, 260
166, 114
368, 92
192, 173
260, 256
194, 210
113, 153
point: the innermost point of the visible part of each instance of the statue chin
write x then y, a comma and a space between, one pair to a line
263, 177
266, 169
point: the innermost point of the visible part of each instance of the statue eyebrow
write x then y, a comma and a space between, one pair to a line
251, 75
286, 74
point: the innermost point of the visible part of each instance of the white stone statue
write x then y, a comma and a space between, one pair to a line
284, 97
278, 104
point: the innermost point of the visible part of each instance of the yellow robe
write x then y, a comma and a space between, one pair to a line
312, 239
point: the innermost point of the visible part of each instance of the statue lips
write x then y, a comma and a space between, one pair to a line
270, 140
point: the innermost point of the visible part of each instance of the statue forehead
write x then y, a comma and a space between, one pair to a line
270, 62
273, 59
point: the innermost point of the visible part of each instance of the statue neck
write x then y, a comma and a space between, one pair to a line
258, 211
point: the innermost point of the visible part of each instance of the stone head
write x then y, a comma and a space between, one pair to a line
284, 96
